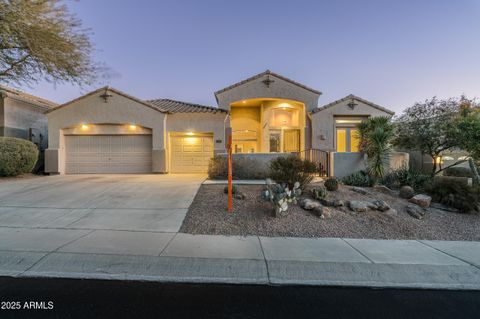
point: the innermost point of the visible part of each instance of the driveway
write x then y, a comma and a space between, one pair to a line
155, 203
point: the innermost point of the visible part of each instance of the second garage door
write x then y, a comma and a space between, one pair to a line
190, 154
108, 154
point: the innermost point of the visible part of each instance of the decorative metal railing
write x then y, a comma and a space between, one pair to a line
319, 157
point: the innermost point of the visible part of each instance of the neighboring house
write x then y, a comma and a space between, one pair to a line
22, 115
108, 131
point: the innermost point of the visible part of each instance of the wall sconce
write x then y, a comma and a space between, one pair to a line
352, 104
133, 127
84, 127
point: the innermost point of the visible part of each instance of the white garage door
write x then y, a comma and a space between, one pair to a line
190, 154
108, 154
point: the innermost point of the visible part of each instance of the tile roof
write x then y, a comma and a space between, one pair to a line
174, 106
19, 95
267, 72
349, 97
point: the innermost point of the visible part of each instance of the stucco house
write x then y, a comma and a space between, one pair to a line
22, 116
108, 131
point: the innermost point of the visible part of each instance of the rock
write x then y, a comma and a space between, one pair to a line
406, 192
359, 190
332, 203
309, 204
318, 211
421, 200
381, 205
391, 212
443, 207
416, 211
239, 195
383, 189
326, 213
359, 206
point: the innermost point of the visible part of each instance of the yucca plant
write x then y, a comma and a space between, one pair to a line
376, 135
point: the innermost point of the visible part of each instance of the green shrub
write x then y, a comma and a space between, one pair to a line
458, 172
457, 195
234, 189
242, 168
331, 184
406, 177
319, 193
291, 169
359, 178
17, 156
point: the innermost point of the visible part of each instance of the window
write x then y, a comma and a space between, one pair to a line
275, 142
347, 140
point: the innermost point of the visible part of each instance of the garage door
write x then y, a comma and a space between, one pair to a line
190, 154
108, 154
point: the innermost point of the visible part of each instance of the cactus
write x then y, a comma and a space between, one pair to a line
234, 189
331, 184
280, 196
319, 193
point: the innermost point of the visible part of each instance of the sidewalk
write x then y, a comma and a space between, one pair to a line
178, 257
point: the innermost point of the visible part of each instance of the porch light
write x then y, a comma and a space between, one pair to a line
84, 127
133, 127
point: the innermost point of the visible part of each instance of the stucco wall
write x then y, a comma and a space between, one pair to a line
257, 89
18, 117
92, 109
344, 164
199, 123
323, 122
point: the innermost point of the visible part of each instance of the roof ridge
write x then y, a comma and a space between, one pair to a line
267, 72
353, 96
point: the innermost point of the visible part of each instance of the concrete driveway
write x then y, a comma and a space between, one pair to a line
156, 203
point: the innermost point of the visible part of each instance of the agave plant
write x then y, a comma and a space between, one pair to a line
376, 135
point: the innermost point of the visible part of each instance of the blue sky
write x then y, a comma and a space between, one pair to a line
393, 53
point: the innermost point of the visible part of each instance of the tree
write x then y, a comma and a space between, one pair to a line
436, 126
376, 135
40, 39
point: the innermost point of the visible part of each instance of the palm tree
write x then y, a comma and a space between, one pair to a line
375, 135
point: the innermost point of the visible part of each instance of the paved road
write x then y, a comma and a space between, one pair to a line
115, 299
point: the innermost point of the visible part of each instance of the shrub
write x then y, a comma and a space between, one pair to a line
457, 195
359, 178
234, 189
242, 168
458, 172
17, 156
406, 177
319, 193
291, 169
331, 184
280, 196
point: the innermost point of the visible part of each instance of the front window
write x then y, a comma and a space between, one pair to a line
347, 138
275, 142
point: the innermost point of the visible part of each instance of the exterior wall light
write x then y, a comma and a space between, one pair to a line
84, 127
133, 127
190, 133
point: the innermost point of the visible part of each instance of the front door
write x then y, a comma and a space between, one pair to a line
291, 141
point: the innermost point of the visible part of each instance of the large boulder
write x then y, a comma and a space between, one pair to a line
416, 211
309, 204
421, 200
332, 202
406, 192
359, 206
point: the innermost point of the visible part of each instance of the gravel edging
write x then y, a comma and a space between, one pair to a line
208, 215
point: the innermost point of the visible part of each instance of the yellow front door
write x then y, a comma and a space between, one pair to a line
291, 141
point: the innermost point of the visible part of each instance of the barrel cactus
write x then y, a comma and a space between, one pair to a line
319, 193
280, 196
331, 184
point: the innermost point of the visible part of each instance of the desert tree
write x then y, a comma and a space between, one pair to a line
42, 40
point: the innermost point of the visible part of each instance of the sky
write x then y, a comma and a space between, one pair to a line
393, 53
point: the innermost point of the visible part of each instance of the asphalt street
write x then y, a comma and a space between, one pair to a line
64, 298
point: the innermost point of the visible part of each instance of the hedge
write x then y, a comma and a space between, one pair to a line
17, 156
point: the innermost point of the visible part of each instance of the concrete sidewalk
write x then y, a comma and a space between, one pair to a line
178, 257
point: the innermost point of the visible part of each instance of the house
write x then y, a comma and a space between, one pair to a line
109, 131
22, 116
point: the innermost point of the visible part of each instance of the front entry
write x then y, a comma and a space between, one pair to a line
291, 141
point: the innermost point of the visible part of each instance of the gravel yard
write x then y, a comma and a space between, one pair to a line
252, 216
